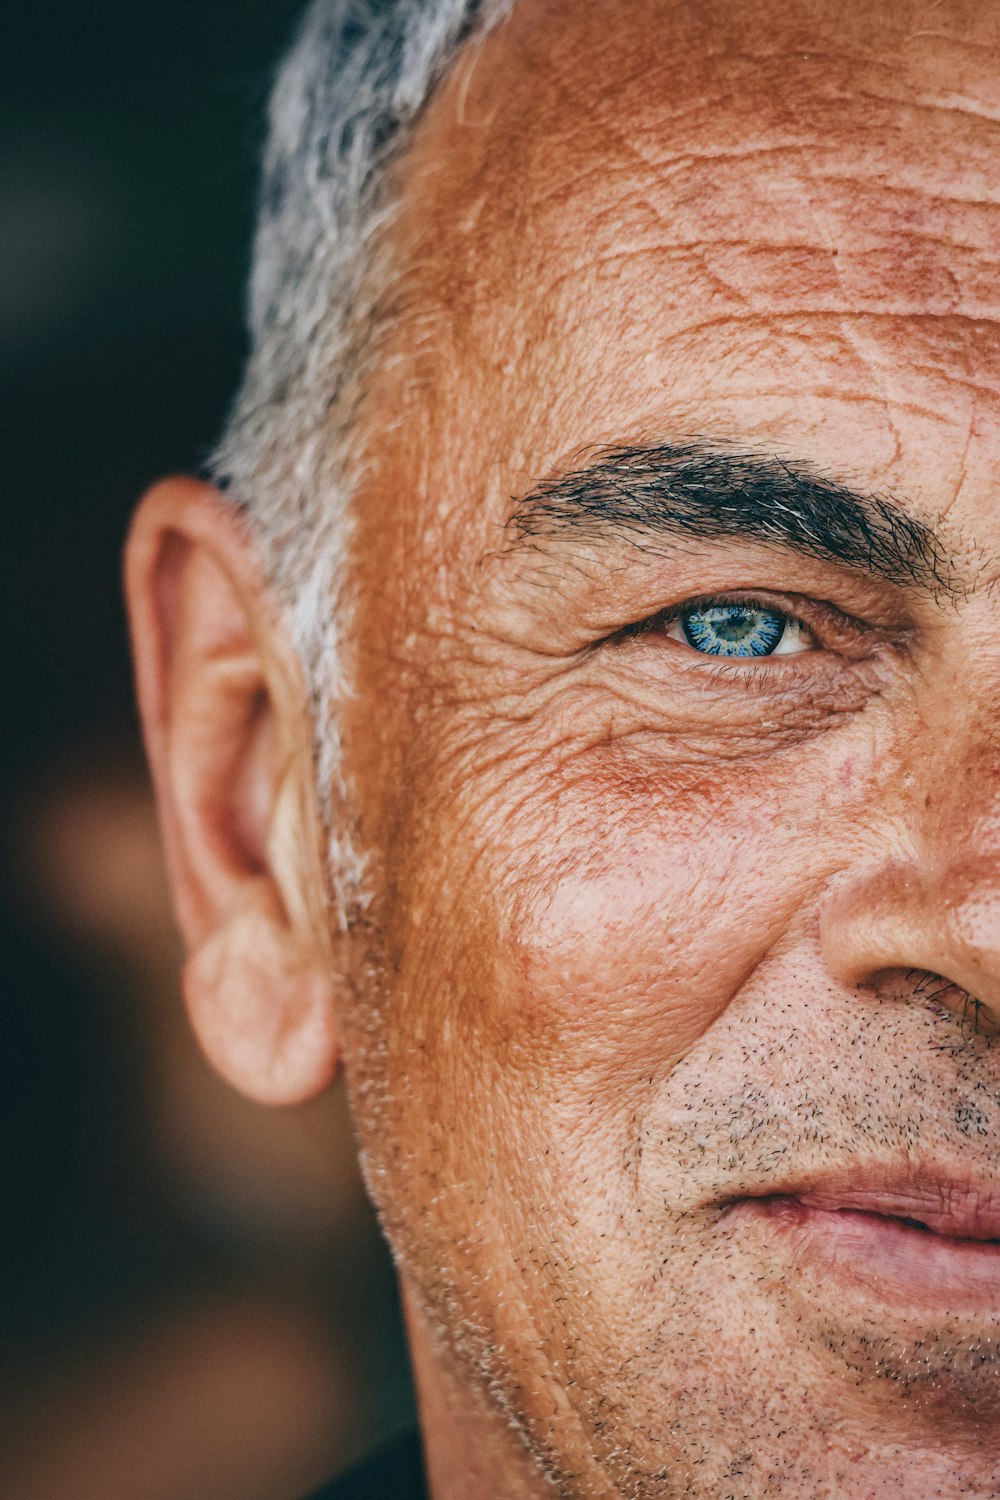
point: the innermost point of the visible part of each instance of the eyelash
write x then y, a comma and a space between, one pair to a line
760, 600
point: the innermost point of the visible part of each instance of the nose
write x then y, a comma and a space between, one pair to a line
907, 913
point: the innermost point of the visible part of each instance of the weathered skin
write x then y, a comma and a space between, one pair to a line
642, 928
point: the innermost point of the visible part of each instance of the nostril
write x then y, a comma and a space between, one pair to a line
922, 923
941, 995
944, 995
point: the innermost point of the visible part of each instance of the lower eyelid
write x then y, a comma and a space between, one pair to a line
805, 691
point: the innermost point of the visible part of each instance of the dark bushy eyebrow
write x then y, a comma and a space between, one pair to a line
699, 490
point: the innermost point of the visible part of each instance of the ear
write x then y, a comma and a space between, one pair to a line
224, 703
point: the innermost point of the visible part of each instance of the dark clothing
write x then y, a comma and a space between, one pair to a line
393, 1473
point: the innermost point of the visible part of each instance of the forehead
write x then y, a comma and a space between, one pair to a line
775, 223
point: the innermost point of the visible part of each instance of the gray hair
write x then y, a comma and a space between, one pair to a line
357, 77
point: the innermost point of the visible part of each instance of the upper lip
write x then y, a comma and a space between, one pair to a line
948, 1205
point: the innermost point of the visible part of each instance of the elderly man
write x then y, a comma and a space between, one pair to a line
577, 716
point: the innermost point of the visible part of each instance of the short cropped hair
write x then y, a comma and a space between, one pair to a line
357, 77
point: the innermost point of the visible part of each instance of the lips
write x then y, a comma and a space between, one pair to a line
925, 1244
954, 1210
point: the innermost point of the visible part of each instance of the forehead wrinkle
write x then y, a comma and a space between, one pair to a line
494, 279
868, 255
783, 120
557, 138
856, 333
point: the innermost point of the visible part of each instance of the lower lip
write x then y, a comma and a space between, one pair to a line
896, 1260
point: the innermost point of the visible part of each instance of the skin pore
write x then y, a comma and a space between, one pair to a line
671, 1015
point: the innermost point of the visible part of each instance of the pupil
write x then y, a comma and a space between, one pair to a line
733, 629
736, 626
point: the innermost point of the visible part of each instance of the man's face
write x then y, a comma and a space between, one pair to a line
673, 1017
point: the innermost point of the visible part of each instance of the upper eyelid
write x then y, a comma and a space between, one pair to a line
763, 598
710, 601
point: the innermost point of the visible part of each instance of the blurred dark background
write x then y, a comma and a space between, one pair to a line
193, 1297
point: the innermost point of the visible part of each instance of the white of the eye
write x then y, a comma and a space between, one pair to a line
794, 638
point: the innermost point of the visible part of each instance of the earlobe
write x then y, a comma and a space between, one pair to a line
223, 703
262, 1009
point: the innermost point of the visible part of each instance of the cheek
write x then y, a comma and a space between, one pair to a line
660, 906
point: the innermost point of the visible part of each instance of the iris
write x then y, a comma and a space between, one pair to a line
733, 629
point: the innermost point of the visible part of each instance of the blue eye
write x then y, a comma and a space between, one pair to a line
739, 630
